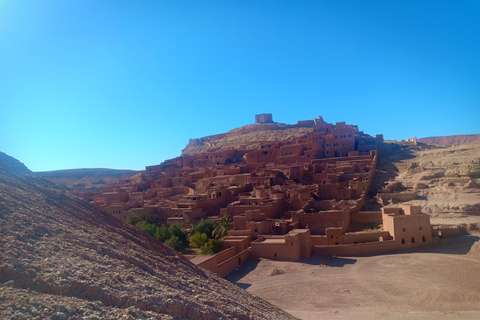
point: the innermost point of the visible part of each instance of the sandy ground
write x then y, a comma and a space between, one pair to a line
441, 281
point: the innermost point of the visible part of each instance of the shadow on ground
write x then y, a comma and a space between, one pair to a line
328, 261
241, 272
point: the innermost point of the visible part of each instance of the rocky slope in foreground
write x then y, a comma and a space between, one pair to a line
61, 258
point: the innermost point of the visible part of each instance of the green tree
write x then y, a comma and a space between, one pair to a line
147, 227
212, 246
143, 216
204, 226
221, 227
163, 233
198, 240
174, 242
176, 230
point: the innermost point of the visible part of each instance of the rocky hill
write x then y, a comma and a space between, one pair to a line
249, 136
62, 258
88, 177
444, 180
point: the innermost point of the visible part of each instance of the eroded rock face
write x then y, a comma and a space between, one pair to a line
445, 180
62, 258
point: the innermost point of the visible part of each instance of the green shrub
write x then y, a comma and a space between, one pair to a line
198, 240
174, 242
176, 230
212, 246
172, 236
163, 233
204, 226
143, 216
147, 227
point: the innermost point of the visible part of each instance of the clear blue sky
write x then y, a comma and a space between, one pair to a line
125, 84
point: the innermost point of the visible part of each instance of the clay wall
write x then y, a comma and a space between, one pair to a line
355, 249
220, 156
136, 196
181, 181
227, 266
225, 262
366, 144
445, 231
239, 222
110, 198
296, 150
274, 249
397, 197
201, 163
318, 222
254, 215
362, 237
267, 155
260, 227
241, 243
271, 209
296, 172
366, 217
238, 233
293, 246
165, 192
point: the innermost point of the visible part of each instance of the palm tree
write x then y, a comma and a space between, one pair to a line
222, 227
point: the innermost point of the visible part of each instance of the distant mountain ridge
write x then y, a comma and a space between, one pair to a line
86, 172
447, 141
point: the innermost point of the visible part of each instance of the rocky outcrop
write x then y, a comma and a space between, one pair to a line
62, 258
442, 180
249, 136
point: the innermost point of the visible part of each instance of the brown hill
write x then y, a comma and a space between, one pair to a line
88, 177
62, 258
447, 141
249, 136
444, 181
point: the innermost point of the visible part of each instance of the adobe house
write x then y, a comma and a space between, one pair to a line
294, 246
407, 225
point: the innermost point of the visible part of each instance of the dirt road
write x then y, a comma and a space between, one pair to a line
440, 282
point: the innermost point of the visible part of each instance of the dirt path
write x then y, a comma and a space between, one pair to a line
441, 282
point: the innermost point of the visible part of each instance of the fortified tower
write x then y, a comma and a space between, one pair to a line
264, 118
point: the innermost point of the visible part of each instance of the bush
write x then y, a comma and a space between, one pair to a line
174, 242
143, 216
198, 240
147, 227
172, 236
212, 246
176, 230
163, 233
204, 226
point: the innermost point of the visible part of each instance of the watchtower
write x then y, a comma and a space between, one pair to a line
264, 118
